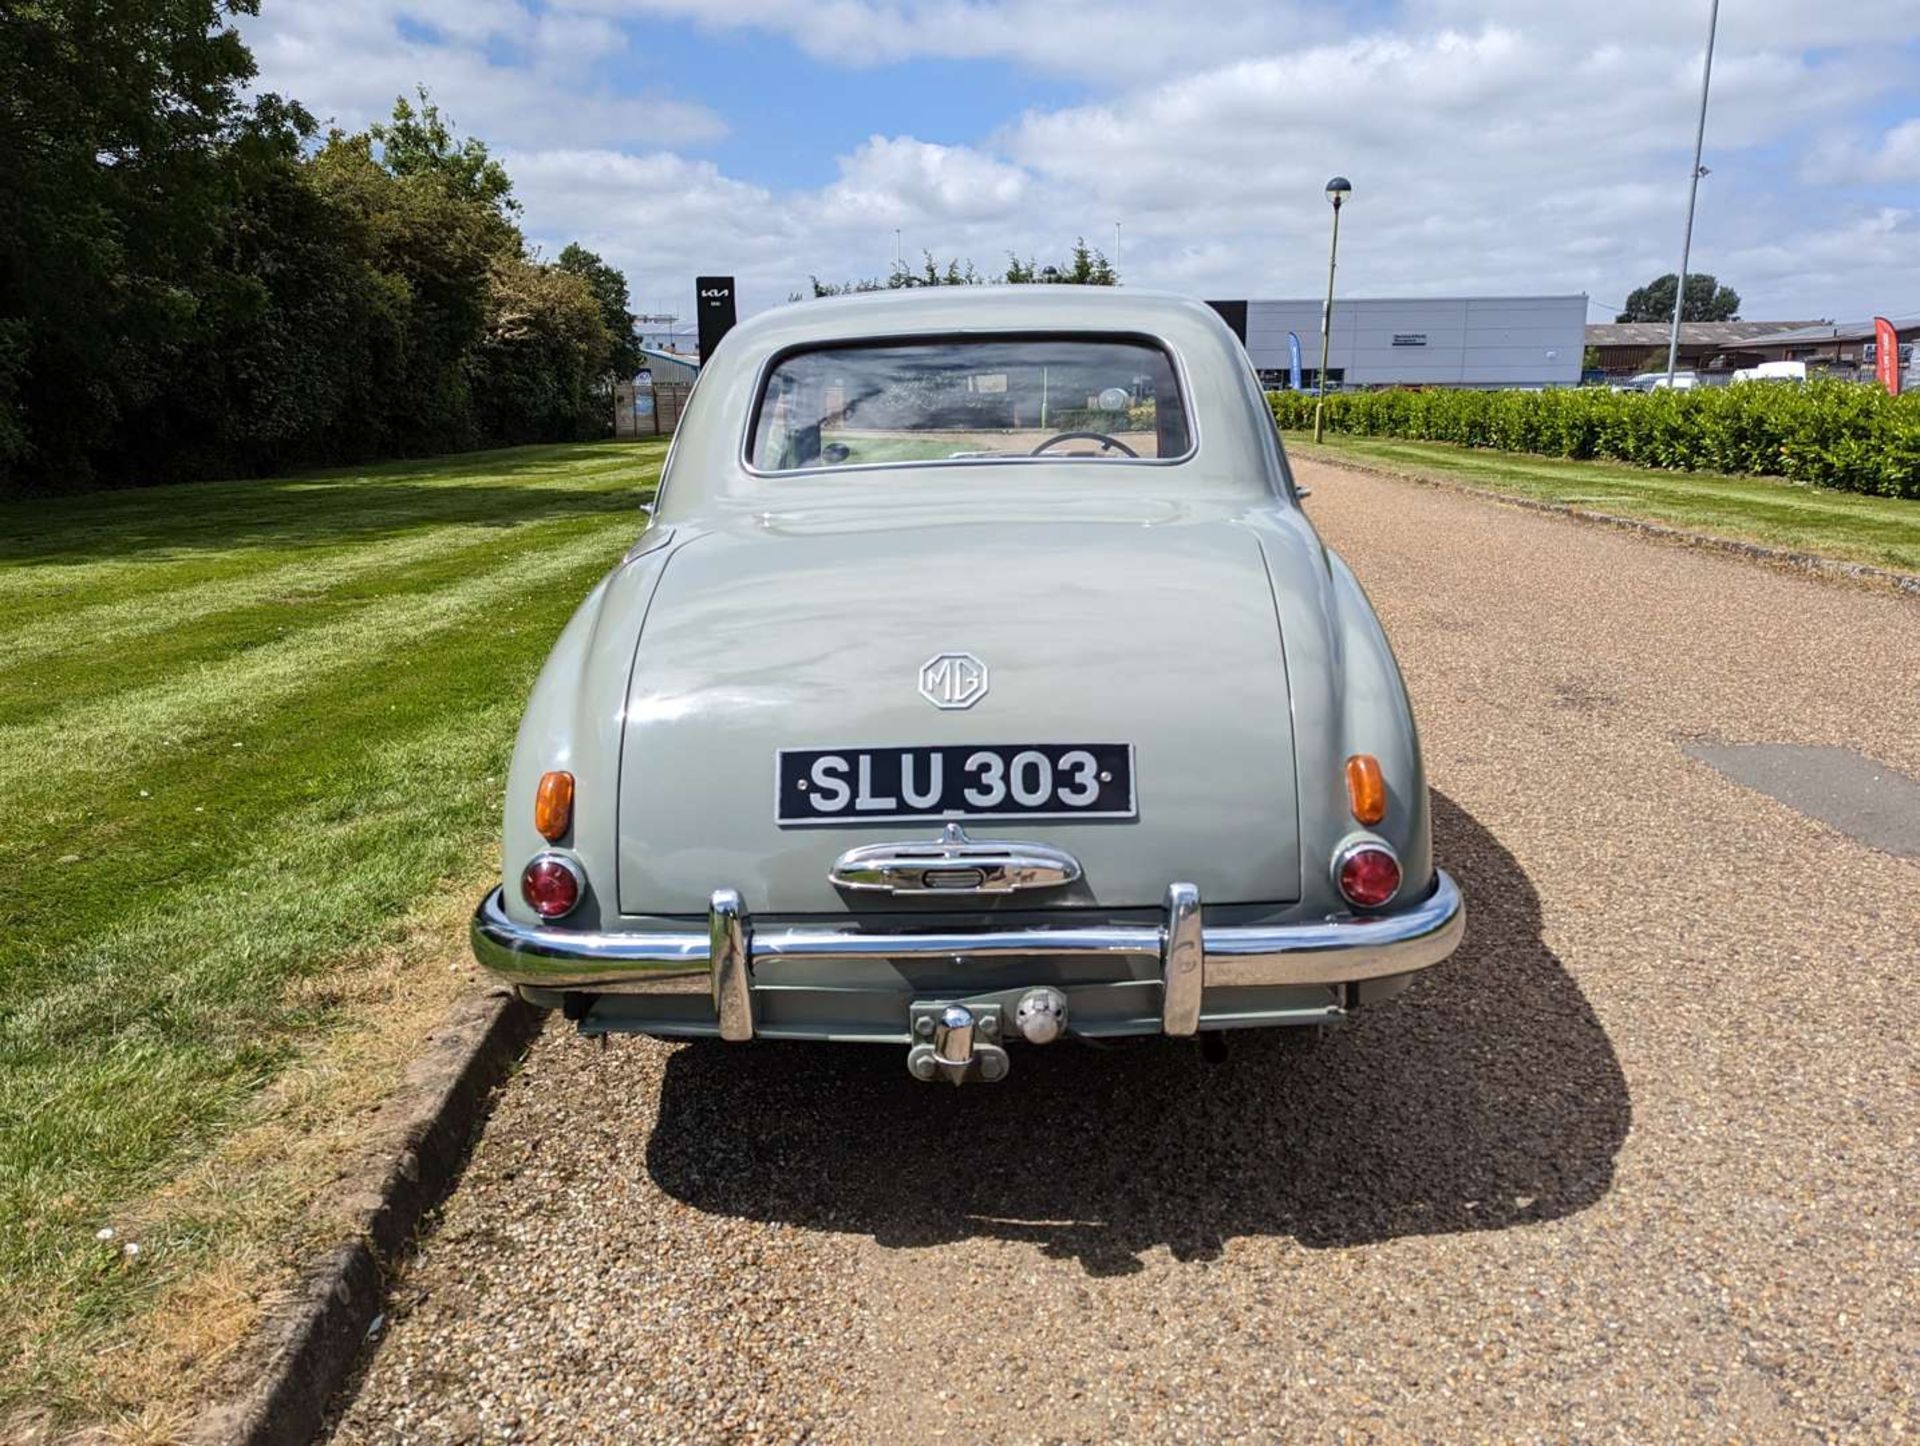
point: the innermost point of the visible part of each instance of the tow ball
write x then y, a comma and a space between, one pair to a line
960, 1041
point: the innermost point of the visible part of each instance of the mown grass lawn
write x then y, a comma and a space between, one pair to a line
245, 729
1884, 531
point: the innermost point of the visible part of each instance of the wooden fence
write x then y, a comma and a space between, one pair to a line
648, 411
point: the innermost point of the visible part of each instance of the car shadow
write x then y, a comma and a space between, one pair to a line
1486, 1096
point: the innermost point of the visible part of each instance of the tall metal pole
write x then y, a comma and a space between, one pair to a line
1326, 322
1693, 193
1116, 248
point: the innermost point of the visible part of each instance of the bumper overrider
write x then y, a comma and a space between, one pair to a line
1176, 977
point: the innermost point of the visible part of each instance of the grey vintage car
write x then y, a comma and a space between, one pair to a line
977, 681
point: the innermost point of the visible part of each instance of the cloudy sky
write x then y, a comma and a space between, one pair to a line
1495, 146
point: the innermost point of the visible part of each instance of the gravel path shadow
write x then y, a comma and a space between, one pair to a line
1486, 1096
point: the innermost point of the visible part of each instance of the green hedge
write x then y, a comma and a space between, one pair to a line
1829, 434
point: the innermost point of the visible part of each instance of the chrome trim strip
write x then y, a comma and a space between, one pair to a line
1329, 951
988, 944
732, 971
1183, 967
998, 866
1344, 950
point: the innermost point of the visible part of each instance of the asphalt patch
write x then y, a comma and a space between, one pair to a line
1867, 801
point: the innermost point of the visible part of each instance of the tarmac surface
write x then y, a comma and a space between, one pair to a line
1639, 1162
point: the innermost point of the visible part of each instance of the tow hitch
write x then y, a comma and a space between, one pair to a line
957, 1043
960, 1041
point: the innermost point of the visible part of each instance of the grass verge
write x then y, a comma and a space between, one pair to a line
252, 737
1883, 531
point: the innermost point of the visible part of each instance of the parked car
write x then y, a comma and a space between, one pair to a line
1659, 382
1773, 371
958, 727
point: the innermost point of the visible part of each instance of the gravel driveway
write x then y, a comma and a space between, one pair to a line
1639, 1162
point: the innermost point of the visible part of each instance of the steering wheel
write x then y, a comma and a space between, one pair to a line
1106, 443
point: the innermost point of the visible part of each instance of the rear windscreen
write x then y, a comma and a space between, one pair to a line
1088, 399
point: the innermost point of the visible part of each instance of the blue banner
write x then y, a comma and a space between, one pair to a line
1293, 360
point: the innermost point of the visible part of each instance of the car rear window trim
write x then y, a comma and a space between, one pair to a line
962, 334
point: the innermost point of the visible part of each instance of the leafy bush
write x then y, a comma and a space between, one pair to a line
1137, 418
1827, 434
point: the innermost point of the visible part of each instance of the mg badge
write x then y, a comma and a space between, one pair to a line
953, 680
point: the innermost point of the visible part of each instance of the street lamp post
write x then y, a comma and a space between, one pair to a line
1693, 194
1338, 189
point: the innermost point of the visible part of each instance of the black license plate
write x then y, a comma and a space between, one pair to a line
962, 780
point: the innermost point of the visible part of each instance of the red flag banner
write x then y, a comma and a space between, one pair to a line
1886, 355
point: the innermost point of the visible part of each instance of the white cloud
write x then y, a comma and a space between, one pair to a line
1099, 40
511, 74
889, 181
1891, 158
1898, 158
1494, 145
1871, 262
1682, 28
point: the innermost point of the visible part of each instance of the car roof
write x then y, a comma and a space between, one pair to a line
1235, 449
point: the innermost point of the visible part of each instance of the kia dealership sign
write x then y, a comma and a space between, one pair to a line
713, 301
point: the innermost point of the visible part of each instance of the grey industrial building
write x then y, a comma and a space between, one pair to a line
1469, 341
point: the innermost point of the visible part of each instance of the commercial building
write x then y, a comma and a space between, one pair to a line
1473, 341
1622, 348
1715, 349
658, 365
1842, 349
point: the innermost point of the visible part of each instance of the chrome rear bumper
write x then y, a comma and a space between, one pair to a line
734, 963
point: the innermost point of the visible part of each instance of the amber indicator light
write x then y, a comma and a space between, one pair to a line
553, 805
1366, 788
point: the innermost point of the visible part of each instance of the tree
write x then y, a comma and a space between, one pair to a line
609, 287
117, 131
1707, 300
421, 143
1089, 267
539, 370
430, 246
189, 286
821, 288
298, 337
932, 273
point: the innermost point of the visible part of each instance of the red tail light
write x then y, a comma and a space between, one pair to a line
552, 886
1368, 874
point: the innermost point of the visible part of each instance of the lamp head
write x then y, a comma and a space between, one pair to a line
1338, 189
